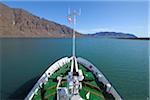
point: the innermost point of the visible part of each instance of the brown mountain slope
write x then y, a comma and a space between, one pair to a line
20, 23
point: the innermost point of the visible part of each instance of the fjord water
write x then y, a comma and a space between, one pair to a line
124, 63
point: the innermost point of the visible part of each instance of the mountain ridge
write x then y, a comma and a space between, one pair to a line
17, 22
107, 34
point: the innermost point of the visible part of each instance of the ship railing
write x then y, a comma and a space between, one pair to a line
44, 77
100, 76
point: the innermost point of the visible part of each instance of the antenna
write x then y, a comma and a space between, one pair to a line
73, 15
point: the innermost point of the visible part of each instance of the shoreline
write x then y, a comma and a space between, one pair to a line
135, 38
71, 37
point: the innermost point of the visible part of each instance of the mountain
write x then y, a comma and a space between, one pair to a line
15, 22
112, 35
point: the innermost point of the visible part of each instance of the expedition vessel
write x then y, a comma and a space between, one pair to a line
73, 78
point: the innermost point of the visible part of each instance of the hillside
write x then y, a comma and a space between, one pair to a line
16, 22
112, 35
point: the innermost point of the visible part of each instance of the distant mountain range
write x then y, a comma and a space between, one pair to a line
112, 35
16, 22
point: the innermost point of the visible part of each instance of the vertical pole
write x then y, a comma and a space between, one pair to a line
74, 24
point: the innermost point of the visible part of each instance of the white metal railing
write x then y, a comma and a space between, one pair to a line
60, 63
44, 77
100, 76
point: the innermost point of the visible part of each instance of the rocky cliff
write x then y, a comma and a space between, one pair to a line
16, 22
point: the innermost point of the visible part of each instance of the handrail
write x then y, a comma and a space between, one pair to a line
44, 77
102, 79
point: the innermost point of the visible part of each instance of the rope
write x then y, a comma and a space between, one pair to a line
91, 85
56, 85
93, 93
50, 95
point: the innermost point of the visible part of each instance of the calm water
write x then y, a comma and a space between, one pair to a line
124, 62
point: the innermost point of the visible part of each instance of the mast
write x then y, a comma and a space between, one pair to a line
74, 35
73, 15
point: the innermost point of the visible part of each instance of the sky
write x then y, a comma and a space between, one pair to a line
96, 16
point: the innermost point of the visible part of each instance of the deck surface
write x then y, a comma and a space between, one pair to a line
89, 84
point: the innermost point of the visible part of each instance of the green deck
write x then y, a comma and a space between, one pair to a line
89, 84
